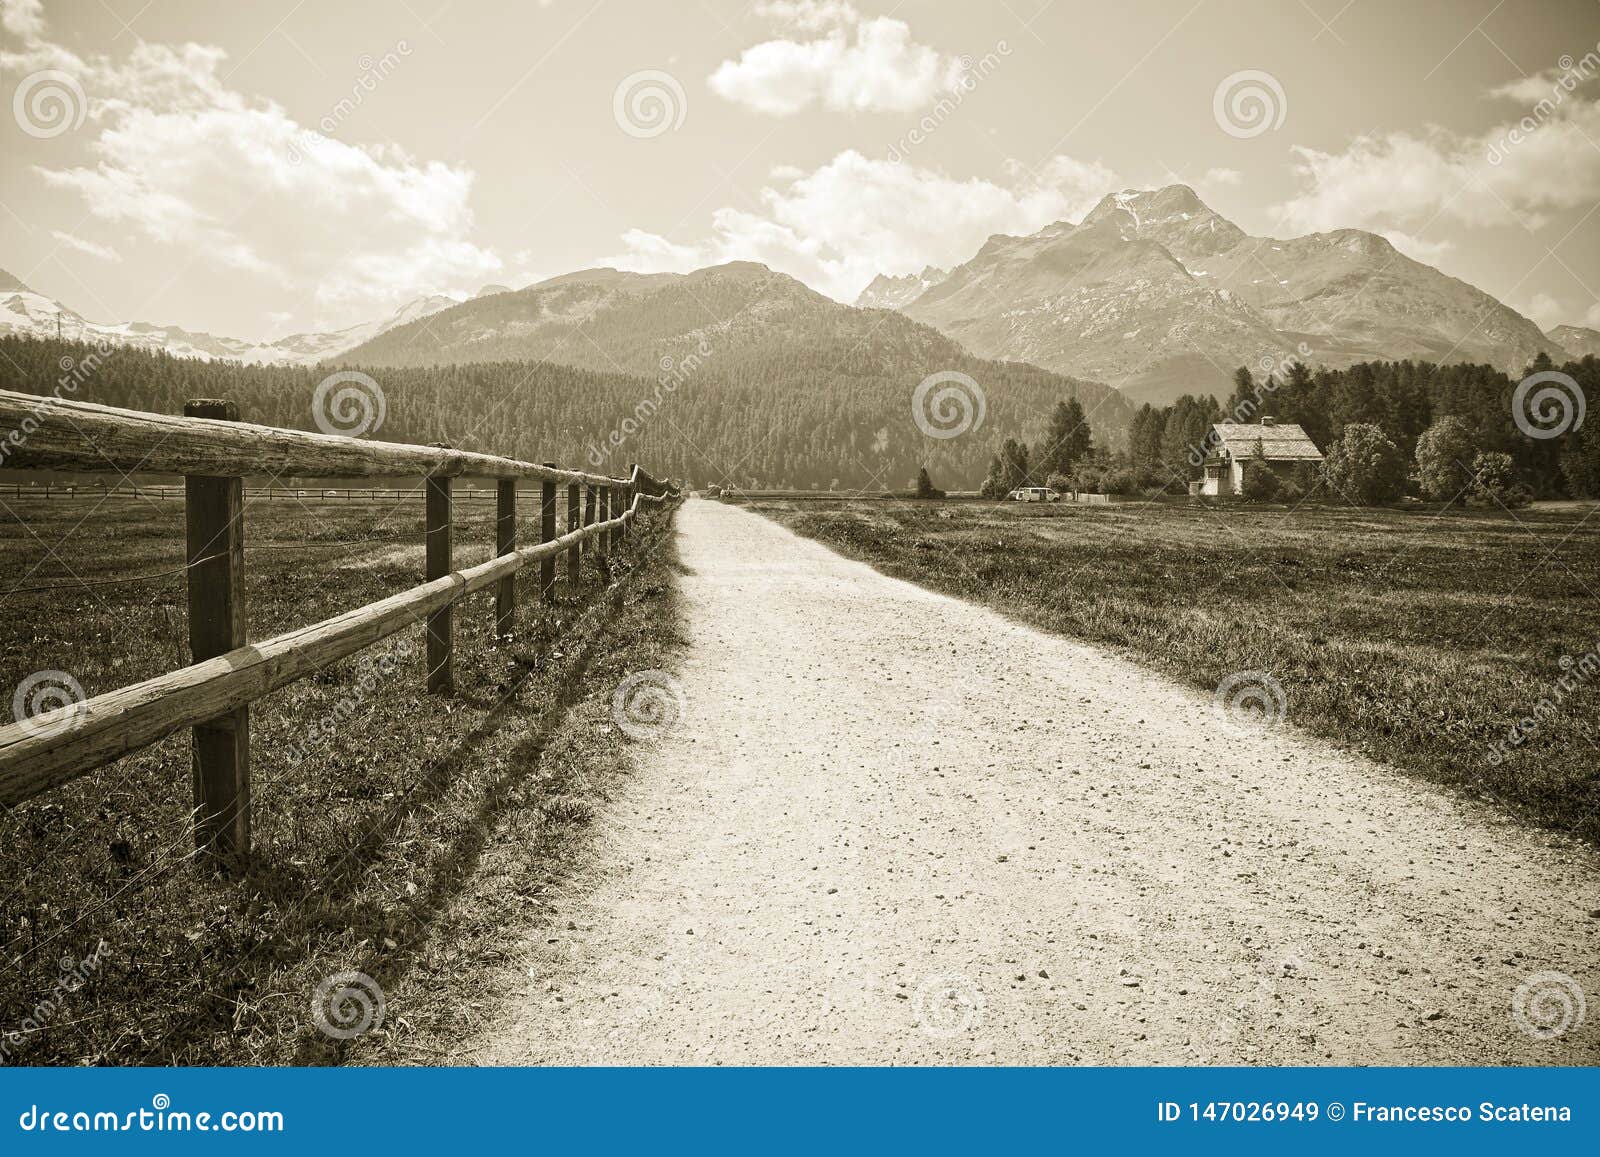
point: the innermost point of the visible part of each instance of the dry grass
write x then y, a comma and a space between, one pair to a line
367, 848
1420, 638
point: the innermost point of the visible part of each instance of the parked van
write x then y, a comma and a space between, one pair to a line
1032, 494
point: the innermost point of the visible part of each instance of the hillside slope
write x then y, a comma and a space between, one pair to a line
823, 389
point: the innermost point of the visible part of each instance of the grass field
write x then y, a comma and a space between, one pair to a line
380, 811
1419, 638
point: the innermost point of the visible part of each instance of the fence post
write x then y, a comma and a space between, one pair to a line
214, 514
619, 505
441, 623
603, 539
505, 541
575, 551
547, 531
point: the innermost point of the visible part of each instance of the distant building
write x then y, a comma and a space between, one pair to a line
1231, 446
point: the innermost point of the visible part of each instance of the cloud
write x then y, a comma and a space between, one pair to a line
855, 65
236, 183
92, 249
1222, 177
809, 15
24, 19
1428, 252
1544, 310
852, 218
1516, 173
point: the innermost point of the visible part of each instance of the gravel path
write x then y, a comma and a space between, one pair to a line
892, 827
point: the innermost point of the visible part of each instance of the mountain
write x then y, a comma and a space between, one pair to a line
25, 312
830, 386
886, 292
1158, 294
1576, 340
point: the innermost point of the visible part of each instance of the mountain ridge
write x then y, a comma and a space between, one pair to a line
27, 312
1095, 300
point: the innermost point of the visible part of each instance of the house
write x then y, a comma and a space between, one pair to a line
1230, 446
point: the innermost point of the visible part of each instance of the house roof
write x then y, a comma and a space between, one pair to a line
1279, 442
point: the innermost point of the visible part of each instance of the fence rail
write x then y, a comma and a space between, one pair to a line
212, 695
60, 434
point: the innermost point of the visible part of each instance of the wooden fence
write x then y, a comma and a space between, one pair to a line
214, 452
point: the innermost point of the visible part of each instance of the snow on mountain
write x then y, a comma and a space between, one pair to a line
899, 292
24, 311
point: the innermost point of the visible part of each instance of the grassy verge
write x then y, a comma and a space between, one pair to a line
1421, 639
397, 834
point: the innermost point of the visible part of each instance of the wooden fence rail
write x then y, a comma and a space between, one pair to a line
213, 694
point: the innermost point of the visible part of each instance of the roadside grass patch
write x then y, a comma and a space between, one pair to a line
1419, 638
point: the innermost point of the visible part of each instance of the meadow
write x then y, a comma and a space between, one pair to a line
1420, 637
397, 834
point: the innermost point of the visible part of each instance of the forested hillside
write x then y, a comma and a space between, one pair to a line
815, 412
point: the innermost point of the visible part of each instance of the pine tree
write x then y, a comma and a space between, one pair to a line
1067, 440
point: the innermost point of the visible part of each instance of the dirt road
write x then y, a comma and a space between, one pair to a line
892, 827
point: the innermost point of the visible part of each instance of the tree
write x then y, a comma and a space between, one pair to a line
1444, 459
1364, 467
1260, 483
925, 486
1014, 457
1245, 402
1580, 464
1067, 439
1494, 482
1007, 470
994, 483
1144, 444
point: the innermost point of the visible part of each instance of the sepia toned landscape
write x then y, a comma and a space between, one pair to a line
800, 533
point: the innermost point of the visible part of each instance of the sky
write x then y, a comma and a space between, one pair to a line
256, 170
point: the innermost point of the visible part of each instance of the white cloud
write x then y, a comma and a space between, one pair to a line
91, 248
857, 65
1545, 310
1222, 177
24, 19
810, 15
1591, 317
852, 218
1418, 249
233, 182
1516, 173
